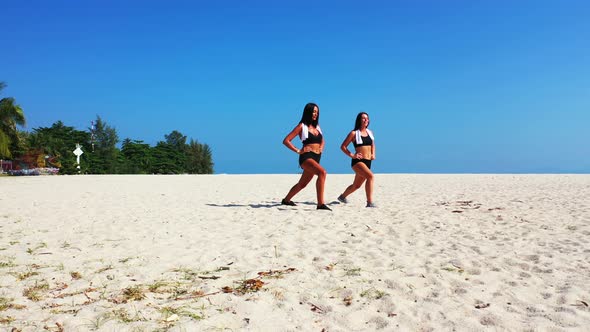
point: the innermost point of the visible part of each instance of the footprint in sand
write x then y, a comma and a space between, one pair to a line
489, 320
538, 270
524, 266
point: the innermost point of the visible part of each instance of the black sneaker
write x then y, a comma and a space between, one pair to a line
290, 203
324, 207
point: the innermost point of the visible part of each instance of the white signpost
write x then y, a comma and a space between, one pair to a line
78, 152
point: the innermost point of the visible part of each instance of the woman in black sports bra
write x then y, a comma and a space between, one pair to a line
310, 154
364, 145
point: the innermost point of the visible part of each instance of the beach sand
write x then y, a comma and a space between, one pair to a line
219, 253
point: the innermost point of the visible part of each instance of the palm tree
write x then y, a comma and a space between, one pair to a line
11, 115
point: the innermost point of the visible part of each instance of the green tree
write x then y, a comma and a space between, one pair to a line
170, 155
137, 157
59, 142
105, 157
199, 159
176, 140
11, 115
167, 160
20, 147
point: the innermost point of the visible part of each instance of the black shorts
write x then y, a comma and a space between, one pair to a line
309, 155
364, 161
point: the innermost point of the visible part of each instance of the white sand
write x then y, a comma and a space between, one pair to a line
441, 252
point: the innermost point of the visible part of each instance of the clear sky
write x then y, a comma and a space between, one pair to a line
450, 86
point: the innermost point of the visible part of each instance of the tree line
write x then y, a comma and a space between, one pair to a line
53, 147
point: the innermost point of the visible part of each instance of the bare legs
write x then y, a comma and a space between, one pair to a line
362, 175
310, 168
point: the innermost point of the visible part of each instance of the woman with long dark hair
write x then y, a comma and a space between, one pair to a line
364, 145
308, 129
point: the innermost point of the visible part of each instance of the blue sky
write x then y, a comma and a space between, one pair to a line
451, 86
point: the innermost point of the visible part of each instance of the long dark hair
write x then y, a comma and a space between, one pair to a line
307, 117
359, 120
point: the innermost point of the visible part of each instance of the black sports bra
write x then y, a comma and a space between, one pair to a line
313, 139
367, 140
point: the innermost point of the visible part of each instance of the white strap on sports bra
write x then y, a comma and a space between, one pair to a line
359, 139
305, 131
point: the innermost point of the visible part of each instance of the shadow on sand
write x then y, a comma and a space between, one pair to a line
255, 206
267, 205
